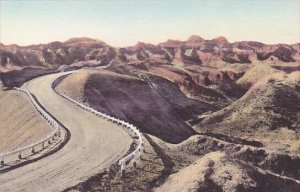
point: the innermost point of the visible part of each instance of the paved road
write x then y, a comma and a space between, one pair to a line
93, 146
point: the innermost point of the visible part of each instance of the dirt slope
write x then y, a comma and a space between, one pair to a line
21, 124
216, 172
158, 108
269, 110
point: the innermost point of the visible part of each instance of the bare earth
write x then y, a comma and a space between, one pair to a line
21, 124
93, 146
216, 116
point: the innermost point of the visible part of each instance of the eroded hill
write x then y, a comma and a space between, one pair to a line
225, 116
156, 106
79, 52
269, 111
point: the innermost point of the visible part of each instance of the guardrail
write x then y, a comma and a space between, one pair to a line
51, 138
132, 130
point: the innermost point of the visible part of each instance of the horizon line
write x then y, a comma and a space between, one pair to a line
139, 41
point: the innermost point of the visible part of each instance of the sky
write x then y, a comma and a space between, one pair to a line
124, 23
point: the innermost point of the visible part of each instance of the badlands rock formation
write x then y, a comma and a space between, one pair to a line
216, 115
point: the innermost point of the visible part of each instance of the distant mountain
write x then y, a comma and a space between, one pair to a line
195, 51
48, 55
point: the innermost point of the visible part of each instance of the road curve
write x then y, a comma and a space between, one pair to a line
94, 145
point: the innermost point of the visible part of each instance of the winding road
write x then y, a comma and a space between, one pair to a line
94, 145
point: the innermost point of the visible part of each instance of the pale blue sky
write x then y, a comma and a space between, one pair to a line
121, 23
